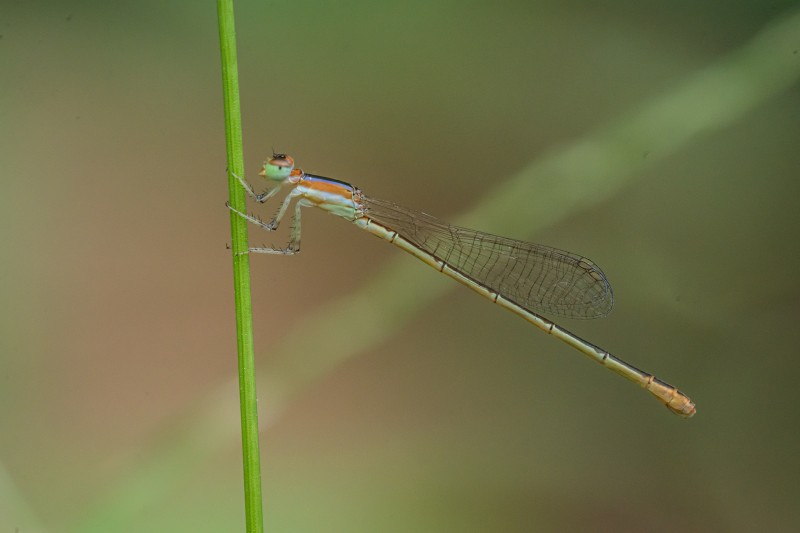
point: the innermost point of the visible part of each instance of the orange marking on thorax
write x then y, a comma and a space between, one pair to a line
327, 187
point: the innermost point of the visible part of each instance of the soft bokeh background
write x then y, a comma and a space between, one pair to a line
118, 406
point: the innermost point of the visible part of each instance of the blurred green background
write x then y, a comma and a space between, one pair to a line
660, 139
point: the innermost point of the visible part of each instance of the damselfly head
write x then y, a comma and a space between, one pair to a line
278, 167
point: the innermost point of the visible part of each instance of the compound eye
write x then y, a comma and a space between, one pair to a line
278, 168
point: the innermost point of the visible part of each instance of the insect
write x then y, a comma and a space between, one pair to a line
525, 278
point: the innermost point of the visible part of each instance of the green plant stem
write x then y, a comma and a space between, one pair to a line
241, 271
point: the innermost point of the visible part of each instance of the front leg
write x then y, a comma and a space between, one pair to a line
260, 198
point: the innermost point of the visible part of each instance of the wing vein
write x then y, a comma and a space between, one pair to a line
538, 278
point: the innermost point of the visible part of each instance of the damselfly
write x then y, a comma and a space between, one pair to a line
525, 278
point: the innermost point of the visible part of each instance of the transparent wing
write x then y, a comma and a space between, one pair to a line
538, 278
